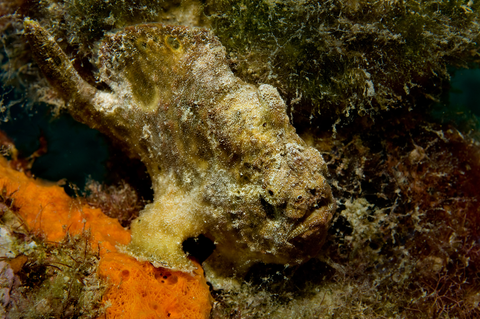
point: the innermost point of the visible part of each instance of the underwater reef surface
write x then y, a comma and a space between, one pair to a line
60, 260
337, 59
367, 84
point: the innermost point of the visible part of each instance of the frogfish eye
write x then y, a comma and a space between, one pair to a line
172, 42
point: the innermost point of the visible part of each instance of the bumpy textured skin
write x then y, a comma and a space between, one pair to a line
224, 160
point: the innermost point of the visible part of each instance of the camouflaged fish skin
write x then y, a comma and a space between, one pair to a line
222, 155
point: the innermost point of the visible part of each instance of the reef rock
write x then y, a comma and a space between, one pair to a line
223, 157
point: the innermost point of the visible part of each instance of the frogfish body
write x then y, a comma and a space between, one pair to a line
223, 157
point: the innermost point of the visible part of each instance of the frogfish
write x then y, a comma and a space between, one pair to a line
224, 160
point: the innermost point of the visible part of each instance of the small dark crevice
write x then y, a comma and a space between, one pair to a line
199, 247
268, 208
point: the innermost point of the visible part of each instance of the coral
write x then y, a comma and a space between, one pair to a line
141, 290
224, 160
342, 58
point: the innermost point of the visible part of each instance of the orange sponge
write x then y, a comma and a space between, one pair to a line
48, 210
138, 289
142, 291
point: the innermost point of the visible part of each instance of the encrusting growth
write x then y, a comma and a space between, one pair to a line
135, 289
141, 290
48, 211
224, 160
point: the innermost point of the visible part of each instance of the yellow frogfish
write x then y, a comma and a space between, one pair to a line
224, 160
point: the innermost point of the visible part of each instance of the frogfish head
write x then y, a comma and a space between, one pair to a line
288, 222
298, 200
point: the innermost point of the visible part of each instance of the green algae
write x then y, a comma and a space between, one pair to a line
338, 58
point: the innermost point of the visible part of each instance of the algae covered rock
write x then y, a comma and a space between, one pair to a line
342, 58
224, 159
